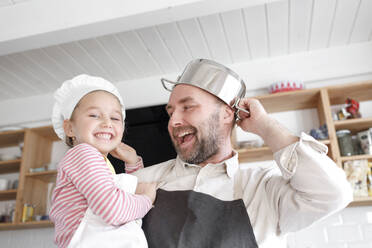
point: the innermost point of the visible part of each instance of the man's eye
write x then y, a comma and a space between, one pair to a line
187, 107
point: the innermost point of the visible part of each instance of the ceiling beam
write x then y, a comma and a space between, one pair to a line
309, 67
42, 23
318, 68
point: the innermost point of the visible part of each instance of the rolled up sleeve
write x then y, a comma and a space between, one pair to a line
312, 186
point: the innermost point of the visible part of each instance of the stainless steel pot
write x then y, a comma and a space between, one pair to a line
214, 78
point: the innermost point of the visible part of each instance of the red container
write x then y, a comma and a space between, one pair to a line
283, 86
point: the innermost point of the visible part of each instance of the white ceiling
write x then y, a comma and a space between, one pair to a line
4, 3
270, 29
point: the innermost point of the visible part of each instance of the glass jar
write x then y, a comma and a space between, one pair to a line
345, 142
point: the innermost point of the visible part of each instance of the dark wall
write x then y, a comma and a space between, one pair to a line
146, 131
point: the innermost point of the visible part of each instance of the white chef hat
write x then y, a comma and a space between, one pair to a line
69, 94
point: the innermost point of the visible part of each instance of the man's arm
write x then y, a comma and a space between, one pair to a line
275, 135
311, 187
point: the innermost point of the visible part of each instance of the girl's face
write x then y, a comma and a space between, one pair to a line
97, 120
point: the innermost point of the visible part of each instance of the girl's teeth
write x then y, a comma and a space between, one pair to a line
104, 136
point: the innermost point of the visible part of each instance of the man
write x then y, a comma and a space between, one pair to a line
205, 200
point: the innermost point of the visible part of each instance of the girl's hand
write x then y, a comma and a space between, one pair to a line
148, 189
126, 153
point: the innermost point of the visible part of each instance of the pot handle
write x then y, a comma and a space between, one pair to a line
168, 84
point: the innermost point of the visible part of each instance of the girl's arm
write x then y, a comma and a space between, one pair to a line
128, 154
130, 168
88, 171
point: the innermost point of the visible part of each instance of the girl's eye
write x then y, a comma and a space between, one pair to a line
93, 115
115, 119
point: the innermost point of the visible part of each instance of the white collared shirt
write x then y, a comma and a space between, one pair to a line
304, 186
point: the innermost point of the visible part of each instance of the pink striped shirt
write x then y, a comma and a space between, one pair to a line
84, 180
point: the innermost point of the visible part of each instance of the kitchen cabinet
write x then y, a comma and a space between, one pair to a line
320, 99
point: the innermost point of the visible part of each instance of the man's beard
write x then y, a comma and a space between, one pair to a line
207, 146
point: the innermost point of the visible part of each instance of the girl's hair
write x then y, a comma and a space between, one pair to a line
69, 142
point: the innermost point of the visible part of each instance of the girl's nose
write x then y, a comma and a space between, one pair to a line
106, 122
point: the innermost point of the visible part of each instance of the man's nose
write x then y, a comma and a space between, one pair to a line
176, 119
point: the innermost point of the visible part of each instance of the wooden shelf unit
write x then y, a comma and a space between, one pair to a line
354, 125
32, 187
6, 195
11, 138
26, 225
46, 176
285, 101
361, 201
10, 166
255, 154
321, 99
356, 157
260, 153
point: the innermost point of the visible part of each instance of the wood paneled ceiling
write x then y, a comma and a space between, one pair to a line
267, 30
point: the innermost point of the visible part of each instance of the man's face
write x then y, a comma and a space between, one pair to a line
194, 124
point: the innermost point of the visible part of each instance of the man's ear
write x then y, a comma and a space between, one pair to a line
228, 114
67, 126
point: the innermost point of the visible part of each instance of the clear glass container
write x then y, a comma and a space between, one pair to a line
345, 142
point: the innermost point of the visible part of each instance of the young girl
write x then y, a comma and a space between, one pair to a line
91, 206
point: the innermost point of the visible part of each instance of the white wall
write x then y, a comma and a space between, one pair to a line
31, 238
350, 228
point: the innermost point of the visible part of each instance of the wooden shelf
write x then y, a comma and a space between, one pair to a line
11, 138
356, 157
6, 225
46, 132
325, 142
255, 154
10, 166
359, 91
294, 100
46, 176
354, 125
30, 224
361, 201
6, 195
260, 153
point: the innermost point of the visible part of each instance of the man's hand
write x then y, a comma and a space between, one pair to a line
275, 135
148, 189
252, 122
125, 153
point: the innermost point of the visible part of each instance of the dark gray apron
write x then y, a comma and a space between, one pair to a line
189, 219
